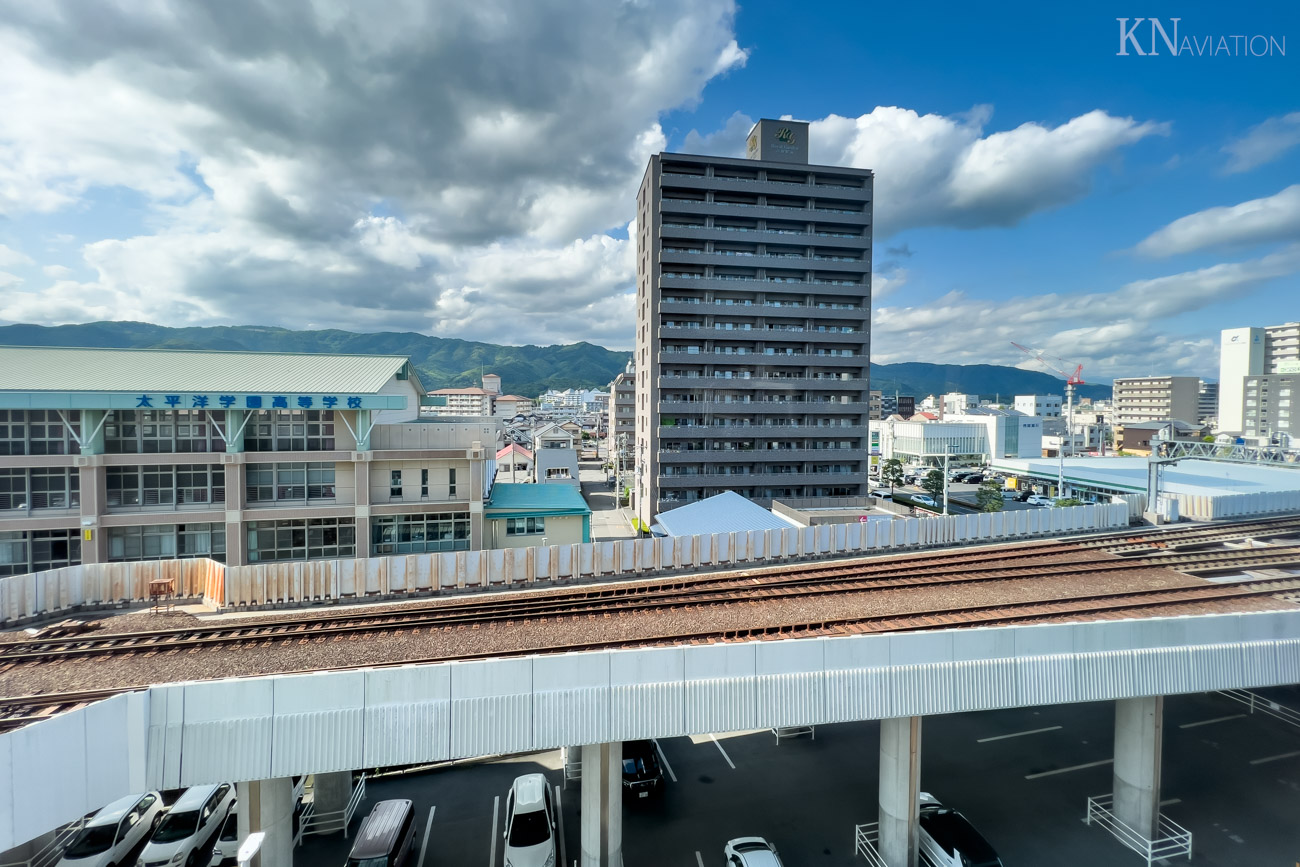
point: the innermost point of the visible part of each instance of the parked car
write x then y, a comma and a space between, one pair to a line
973, 478
883, 493
387, 836
1008, 494
1039, 500
113, 834
530, 823
227, 845
948, 839
642, 773
923, 499
185, 836
751, 852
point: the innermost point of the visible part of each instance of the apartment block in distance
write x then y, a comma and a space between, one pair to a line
621, 429
753, 325
1156, 398
1257, 354
118, 454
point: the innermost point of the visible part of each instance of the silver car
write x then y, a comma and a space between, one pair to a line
751, 852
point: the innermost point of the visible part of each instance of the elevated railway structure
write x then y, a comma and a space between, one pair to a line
1129, 616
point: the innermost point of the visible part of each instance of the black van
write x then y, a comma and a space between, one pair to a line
387, 837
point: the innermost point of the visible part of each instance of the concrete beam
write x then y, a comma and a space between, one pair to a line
900, 787
1139, 737
602, 805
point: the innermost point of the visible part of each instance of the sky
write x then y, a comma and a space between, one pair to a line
468, 168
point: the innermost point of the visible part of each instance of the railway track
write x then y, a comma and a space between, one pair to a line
19, 711
805, 581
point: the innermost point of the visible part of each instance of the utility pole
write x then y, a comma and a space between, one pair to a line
947, 455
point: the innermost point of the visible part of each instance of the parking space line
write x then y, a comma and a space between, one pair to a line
1275, 758
1217, 719
1169, 802
1067, 770
724, 752
663, 758
1017, 734
492, 853
559, 813
424, 846
698, 858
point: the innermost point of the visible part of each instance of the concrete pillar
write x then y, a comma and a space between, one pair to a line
267, 805
900, 786
602, 805
92, 482
1139, 736
331, 792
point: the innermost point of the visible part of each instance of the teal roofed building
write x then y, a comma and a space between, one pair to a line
523, 515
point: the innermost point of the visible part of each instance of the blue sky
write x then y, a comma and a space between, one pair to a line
468, 168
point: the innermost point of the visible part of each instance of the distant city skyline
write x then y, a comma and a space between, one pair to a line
264, 163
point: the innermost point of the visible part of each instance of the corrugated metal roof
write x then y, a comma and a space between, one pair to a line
508, 497
42, 368
727, 512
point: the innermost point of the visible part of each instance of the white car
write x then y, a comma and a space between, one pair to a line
1009, 494
185, 836
948, 839
751, 852
530, 823
923, 499
883, 493
112, 834
227, 845
1039, 500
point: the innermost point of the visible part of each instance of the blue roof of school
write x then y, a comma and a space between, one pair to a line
727, 512
513, 500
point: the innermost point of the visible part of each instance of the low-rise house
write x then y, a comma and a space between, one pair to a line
524, 515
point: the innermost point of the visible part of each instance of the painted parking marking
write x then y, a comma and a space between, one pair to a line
724, 752
559, 813
699, 859
492, 852
1217, 719
663, 758
424, 845
1169, 802
1277, 758
1017, 734
1067, 770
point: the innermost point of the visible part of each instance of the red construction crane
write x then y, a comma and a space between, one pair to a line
1060, 365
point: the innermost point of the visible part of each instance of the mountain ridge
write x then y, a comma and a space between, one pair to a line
450, 362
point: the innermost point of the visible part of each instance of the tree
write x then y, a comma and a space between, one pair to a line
989, 497
933, 484
891, 473
1068, 501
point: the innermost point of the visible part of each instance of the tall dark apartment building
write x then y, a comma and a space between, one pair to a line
753, 325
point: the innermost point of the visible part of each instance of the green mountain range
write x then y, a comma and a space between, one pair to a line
445, 362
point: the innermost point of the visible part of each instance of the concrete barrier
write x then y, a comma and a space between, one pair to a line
1207, 508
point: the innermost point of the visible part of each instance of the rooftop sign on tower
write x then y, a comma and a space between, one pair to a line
782, 141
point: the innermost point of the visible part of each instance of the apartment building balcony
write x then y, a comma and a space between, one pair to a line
712, 307
801, 383
823, 212
669, 256
758, 431
714, 456
759, 407
822, 237
753, 186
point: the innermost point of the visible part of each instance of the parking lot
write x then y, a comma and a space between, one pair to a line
1021, 776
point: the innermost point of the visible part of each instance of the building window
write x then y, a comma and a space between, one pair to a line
424, 484
38, 550
558, 473
181, 485
414, 534
451, 482
54, 488
167, 541
290, 431
525, 526
301, 539
290, 482
395, 483
38, 432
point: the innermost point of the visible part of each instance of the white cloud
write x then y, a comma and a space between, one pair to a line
1263, 143
933, 170
58, 272
1257, 221
7, 279
1111, 333
10, 257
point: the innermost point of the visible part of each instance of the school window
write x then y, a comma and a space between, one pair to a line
424, 484
395, 483
525, 526
451, 482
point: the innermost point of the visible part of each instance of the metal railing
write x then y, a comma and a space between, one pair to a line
52, 851
865, 840
335, 820
1265, 706
1172, 840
